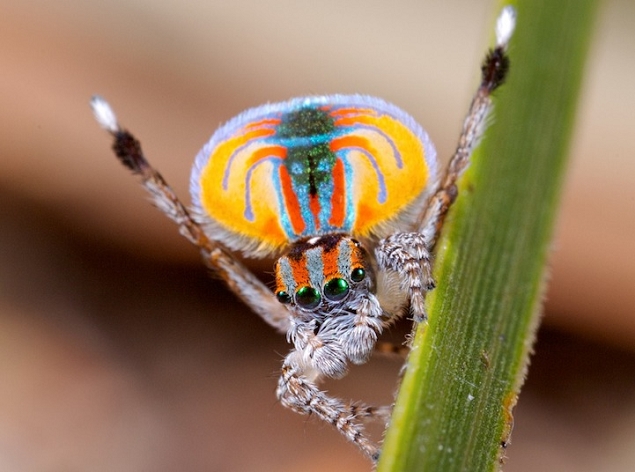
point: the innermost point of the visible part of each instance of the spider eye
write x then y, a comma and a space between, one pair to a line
283, 297
307, 297
336, 289
357, 275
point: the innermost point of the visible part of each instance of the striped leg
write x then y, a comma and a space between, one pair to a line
238, 278
493, 74
408, 254
299, 392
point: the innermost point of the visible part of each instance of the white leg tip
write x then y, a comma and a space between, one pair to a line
505, 25
104, 114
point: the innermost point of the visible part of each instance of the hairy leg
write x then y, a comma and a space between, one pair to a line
299, 392
238, 278
408, 254
493, 73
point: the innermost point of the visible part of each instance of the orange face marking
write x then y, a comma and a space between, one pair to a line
331, 267
301, 272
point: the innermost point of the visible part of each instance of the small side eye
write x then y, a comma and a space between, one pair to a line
357, 275
283, 297
336, 289
307, 297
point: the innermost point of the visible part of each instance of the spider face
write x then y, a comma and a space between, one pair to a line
324, 281
322, 273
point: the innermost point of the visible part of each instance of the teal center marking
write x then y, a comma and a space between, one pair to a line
307, 133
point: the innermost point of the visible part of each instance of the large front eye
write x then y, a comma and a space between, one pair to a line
336, 289
307, 297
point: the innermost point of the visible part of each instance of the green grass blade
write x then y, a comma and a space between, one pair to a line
467, 365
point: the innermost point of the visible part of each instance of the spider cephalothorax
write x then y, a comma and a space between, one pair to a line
327, 282
310, 178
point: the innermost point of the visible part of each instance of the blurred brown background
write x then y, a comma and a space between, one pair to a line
117, 352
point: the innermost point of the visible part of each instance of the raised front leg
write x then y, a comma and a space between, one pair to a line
408, 254
493, 73
243, 283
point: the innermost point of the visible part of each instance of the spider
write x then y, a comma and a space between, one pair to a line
345, 191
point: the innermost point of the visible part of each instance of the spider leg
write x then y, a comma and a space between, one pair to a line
371, 413
408, 254
323, 351
493, 73
298, 391
238, 278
